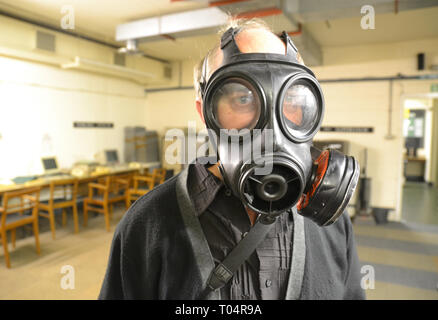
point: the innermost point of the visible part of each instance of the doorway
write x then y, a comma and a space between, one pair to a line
420, 160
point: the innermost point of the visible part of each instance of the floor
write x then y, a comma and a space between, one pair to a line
39, 277
404, 258
420, 203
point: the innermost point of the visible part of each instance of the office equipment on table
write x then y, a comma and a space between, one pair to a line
103, 194
44, 181
80, 171
58, 176
83, 168
107, 157
101, 170
50, 165
108, 161
142, 184
63, 195
12, 212
23, 179
111, 157
52, 170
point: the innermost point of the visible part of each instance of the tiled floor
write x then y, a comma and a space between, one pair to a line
40, 277
404, 257
420, 203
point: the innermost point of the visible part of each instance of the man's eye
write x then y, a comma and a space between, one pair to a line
245, 99
242, 100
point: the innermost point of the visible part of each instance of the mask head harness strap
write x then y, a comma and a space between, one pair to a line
291, 50
230, 49
228, 44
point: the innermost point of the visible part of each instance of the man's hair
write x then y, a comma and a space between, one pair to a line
242, 24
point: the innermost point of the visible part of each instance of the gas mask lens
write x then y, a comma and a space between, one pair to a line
236, 105
300, 109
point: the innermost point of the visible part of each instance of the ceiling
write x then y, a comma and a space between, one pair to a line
404, 26
98, 19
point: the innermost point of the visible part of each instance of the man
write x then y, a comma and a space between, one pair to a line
172, 239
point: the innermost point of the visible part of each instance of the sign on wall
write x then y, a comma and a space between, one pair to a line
348, 129
102, 125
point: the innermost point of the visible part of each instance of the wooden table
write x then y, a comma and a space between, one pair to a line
44, 182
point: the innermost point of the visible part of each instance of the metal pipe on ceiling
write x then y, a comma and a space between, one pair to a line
399, 77
298, 32
259, 13
224, 2
217, 3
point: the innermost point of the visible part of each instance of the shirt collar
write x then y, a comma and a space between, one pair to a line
203, 187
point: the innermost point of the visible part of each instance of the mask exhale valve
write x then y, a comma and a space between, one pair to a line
273, 193
272, 187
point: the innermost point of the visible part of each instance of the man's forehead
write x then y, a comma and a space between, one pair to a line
254, 40
259, 40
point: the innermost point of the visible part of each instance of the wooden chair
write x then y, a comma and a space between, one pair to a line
68, 189
142, 184
109, 190
15, 203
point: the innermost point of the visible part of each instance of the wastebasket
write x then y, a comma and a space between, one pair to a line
380, 215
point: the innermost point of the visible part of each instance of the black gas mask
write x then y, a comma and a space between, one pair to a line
263, 110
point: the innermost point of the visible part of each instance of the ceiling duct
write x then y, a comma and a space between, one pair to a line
317, 10
208, 20
190, 22
131, 48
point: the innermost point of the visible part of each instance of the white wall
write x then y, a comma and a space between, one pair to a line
39, 104
40, 101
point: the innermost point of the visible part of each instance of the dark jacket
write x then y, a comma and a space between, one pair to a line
159, 252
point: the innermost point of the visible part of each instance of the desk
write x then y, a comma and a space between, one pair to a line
414, 168
44, 182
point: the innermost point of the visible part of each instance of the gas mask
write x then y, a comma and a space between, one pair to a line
272, 103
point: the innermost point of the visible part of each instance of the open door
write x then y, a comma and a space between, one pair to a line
420, 189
